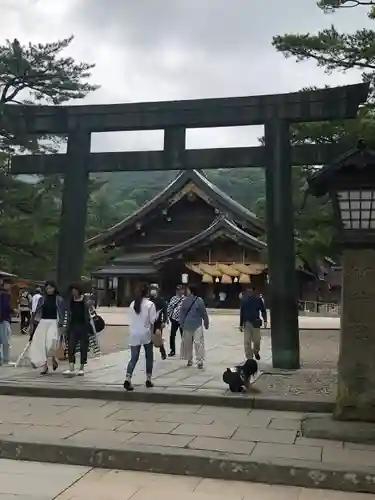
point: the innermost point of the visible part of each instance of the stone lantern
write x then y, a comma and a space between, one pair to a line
350, 183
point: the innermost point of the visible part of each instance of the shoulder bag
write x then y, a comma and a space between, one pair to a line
97, 322
191, 305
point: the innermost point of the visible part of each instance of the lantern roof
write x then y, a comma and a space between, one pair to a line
356, 169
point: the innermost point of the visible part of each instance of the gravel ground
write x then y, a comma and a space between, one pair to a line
322, 383
319, 356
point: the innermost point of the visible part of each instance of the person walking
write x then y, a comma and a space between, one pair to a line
24, 305
193, 314
5, 321
142, 316
161, 316
78, 326
173, 313
49, 314
252, 309
34, 303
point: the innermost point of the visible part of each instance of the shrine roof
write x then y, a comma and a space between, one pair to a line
126, 270
222, 226
220, 200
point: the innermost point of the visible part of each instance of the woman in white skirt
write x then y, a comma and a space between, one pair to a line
193, 316
49, 314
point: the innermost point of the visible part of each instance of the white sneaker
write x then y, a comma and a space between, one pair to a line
69, 373
81, 372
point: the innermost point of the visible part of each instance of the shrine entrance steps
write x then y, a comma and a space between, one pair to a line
241, 444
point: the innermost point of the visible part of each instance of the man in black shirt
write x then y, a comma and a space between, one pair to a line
252, 307
161, 312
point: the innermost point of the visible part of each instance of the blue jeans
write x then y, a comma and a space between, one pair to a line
135, 351
4, 341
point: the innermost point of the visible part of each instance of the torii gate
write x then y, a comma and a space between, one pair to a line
276, 112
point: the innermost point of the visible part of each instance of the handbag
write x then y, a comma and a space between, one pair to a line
60, 352
99, 323
157, 338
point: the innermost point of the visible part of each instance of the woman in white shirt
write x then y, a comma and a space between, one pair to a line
142, 316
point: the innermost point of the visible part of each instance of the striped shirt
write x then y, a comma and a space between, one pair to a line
174, 307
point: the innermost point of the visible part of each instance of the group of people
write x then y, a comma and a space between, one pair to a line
186, 312
64, 326
58, 327
56, 323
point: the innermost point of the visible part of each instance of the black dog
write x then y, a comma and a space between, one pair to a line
238, 377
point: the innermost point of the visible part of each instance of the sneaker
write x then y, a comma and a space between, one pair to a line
81, 372
149, 384
128, 386
257, 356
200, 366
189, 363
69, 373
171, 354
164, 357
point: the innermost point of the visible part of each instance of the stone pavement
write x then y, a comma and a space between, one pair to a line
41, 481
205, 441
36, 481
224, 346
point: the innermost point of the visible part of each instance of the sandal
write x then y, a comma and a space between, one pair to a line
55, 364
44, 371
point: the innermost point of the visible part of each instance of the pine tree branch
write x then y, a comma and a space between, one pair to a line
330, 49
331, 5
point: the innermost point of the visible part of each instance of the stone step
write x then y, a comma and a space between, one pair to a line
206, 464
206, 441
303, 404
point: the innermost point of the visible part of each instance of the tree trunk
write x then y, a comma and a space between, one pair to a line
356, 366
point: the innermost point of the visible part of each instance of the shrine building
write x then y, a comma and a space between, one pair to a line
190, 232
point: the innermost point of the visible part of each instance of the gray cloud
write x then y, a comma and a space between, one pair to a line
149, 50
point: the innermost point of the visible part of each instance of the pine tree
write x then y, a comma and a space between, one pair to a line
30, 211
333, 51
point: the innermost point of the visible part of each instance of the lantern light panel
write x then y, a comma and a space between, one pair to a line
357, 208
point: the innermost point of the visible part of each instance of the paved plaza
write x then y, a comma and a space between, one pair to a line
40, 481
224, 346
172, 438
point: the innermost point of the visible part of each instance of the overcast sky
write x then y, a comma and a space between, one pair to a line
150, 50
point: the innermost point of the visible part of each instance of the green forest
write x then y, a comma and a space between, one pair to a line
42, 74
